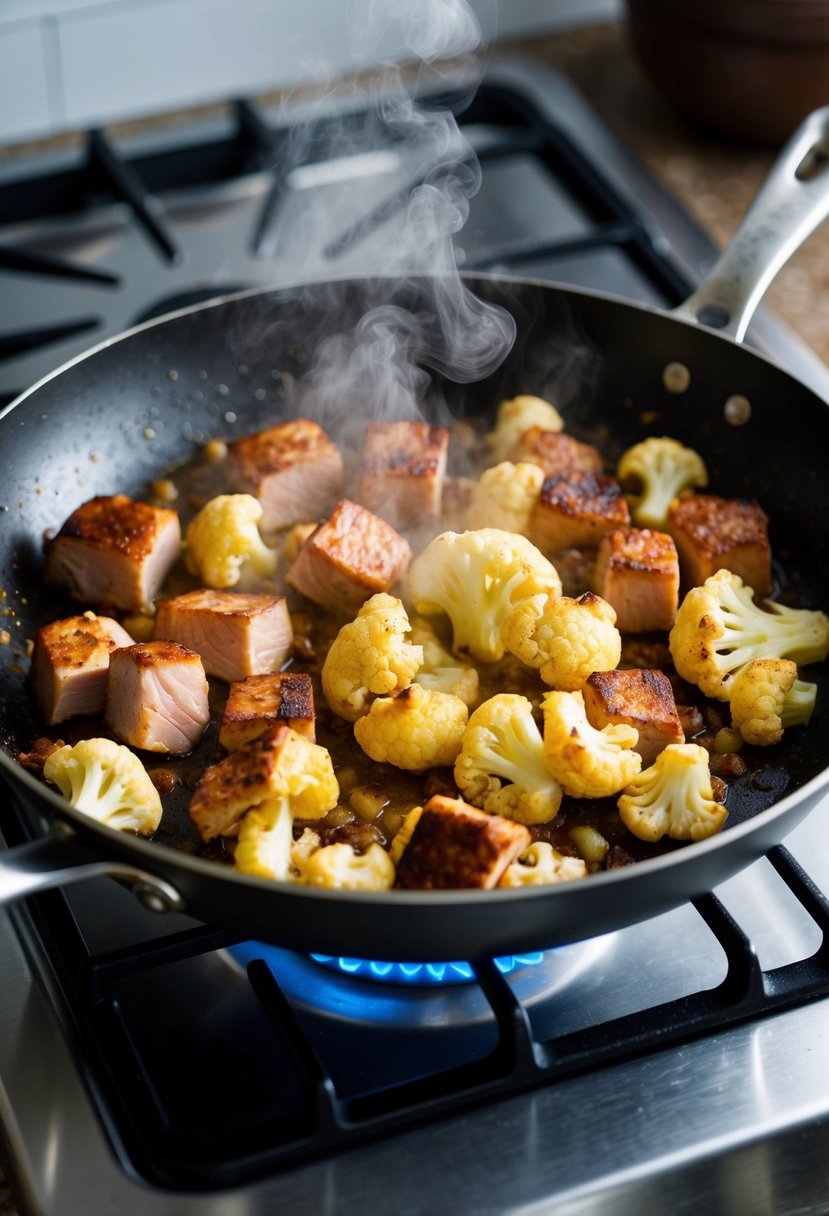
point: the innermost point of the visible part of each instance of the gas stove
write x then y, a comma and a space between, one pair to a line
154, 1063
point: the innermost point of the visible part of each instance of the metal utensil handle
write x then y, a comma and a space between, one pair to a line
60, 858
792, 202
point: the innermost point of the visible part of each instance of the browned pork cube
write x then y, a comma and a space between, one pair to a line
259, 702
642, 698
350, 557
402, 472
236, 635
114, 550
69, 665
574, 510
242, 780
555, 452
456, 845
637, 571
714, 533
157, 697
294, 470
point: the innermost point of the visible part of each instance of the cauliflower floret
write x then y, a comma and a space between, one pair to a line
720, 629
337, 865
501, 766
504, 497
565, 639
108, 782
416, 729
588, 763
517, 416
441, 671
541, 865
766, 697
224, 539
664, 467
370, 655
673, 797
404, 833
475, 578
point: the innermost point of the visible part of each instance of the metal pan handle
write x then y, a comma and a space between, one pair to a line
61, 857
792, 202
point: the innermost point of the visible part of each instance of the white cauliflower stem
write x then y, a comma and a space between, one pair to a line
108, 782
475, 578
442, 671
719, 629
663, 468
673, 797
224, 539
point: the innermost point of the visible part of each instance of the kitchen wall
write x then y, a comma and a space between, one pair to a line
66, 64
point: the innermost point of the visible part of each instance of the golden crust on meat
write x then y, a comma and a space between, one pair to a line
259, 702
117, 522
575, 509
713, 533
642, 698
402, 469
455, 845
75, 641
280, 447
555, 452
228, 789
223, 603
637, 571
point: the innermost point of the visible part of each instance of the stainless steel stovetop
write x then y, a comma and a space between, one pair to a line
677, 1066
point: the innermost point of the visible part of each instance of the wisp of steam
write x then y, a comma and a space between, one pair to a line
429, 317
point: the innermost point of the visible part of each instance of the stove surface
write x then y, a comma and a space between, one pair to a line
152, 1063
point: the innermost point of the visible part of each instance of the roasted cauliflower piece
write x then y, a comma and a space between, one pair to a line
673, 797
370, 656
404, 833
662, 468
442, 671
223, 542
719, 629
475, 578
565, 639
339, 866
502, 765
416, 729
542, 865
517, 416
108, 782
587, 763
504, 497
766, 697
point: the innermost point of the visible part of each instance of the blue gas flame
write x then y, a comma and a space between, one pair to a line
421, 973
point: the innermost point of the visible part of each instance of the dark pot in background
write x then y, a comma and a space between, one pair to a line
749, 69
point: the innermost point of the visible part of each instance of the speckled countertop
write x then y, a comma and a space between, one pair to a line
716, 180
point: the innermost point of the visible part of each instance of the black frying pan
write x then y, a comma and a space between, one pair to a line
110, 420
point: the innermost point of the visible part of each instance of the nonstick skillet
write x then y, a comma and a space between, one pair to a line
112, 419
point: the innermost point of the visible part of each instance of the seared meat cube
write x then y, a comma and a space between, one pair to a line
637, 571
642, 698
236, 635
259, 702
69, 665
714, 533
294, 470
350, 557
157, 697
114, 550
402, 472
575, 509
555, 452
456, 845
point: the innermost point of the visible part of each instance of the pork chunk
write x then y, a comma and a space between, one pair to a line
555, 452
116, 551
402, 471
69, 665
350, 557
575, 509
637, 571
642, 698
243, 779
713, 533
294, 470
456, 845
157, 697
259, 702
237, 635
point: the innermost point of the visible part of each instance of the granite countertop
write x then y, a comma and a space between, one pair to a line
715, 179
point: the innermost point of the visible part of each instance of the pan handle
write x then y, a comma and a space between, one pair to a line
61, 857
791, 203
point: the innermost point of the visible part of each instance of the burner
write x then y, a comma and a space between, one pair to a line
422, 973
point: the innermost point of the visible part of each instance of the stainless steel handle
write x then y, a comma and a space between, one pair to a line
61, 858
792, 202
